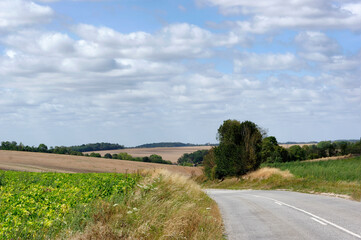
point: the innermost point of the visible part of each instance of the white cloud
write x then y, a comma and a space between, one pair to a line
252, 62
173, 41
269, 15
317, 42
316, 46
22, 13
173, 78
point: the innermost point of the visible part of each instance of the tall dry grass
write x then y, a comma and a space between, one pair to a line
165, 206
266, 173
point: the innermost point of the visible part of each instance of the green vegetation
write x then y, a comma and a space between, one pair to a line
238, 151
154, 158
332, 176
192, 159
347, 170
273, 153
96, 147
39, 205
165, 206
73, 150
166, 144
159, 205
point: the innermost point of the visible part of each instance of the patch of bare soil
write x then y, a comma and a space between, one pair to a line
45, 162
168, 153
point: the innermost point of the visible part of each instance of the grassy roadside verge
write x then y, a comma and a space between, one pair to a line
335, 177
164, 206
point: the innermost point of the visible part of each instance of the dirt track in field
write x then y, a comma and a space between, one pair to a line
44, 162
168, 153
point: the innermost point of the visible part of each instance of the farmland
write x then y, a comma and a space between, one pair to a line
168, 153
157, 205
334, 177
36, 205
44, 162
348, 170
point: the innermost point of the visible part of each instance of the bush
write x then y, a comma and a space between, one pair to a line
190, 159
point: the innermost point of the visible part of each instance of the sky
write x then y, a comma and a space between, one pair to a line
140, 71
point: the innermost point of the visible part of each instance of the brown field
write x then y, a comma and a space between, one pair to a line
45, 162
168, 153
301, 145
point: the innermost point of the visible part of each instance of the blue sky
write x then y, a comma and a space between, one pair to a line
134, 72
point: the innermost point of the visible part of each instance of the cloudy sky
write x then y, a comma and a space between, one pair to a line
140, 71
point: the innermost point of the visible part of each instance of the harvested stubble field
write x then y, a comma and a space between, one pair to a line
168, 153
44, 162
299, 144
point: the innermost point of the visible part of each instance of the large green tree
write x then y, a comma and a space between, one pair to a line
239, 149
271, 152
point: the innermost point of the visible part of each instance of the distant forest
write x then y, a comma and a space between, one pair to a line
78, 151
96, 147
166, 144
72, 150
171, 144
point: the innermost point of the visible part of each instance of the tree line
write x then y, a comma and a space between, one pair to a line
165, 144
14, 146
154, 158
273, 153
72, 150
96, 147
192, 159
243, 147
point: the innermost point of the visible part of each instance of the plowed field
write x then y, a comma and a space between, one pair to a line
44, 162
168, 153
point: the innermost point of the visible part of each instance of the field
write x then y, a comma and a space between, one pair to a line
43, 162
333, 177
37, 205
168, 153
348, 170
300, 144
156, 205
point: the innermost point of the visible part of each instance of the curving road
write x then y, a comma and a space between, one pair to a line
253, 214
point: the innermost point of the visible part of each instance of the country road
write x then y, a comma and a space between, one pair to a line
252, 214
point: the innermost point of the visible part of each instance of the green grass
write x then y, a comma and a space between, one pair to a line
40, 205
348, 170
332, 176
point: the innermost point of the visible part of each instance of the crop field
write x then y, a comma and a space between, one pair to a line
46, 162
168, 153
36, 205
340, 178
348, 170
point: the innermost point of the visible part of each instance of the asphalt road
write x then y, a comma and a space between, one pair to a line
252, 214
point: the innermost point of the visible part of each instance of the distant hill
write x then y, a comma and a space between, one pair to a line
96, 147
299, 142
172, 144
166, 144
315, 142
347, 140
